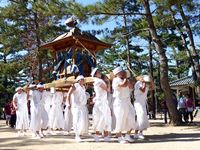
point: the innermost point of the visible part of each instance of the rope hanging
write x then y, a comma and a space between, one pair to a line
77, 40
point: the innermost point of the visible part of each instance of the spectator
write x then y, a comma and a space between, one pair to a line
175, 101
165, 110
13, 116
182, 107
190, 107
7, 112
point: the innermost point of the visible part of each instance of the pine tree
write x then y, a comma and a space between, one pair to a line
38, 21
11, 62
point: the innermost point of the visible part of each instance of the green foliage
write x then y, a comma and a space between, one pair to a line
136, 26
24, 26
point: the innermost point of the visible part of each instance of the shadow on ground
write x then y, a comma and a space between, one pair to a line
7, 129
172, 137
194, 125
27, 141
17, 142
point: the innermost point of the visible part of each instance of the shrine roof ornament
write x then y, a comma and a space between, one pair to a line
76, 37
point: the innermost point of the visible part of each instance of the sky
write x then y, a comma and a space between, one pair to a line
3, 3
110, 24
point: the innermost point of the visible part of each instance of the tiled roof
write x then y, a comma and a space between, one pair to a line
183, 81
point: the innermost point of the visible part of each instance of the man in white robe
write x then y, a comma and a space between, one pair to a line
101, 112
20, 105
123, 109
67, 115
56, 114
47, 102
45, 117
140, 103
77, 101
39, 117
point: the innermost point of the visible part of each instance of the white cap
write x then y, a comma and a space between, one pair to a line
93, 72
79, 77
40, 86
117, 70
18, 88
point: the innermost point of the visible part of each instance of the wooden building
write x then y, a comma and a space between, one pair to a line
186, 85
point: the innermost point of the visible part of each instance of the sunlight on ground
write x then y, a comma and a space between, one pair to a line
158, 136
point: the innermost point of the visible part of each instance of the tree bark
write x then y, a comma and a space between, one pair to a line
38, 46
127, 42
5, 78
152, 92
184, 43
176, 119
192, 45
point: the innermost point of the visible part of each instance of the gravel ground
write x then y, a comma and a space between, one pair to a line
158, 137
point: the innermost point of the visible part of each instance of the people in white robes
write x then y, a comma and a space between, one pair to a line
39, 117
45, 118
123, 109
140, 103
67, 116
20, 104
101, 112
56, 113
77, 101
47, 102
111, 102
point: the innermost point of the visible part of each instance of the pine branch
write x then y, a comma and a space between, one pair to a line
14, 1
113, 14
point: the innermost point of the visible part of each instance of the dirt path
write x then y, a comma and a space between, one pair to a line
158, 137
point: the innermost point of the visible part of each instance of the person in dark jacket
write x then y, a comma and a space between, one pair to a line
7, 112
13, 116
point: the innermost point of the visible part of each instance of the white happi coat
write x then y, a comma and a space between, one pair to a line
68, 116
56, 113
79, 110
47, 101
22, 121
101, 112
111, 102
39, 117
123, 109
140, 106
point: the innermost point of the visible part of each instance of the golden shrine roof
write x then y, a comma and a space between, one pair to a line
76, 37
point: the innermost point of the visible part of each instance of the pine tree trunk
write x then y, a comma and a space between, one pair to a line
184, 43
38, 46
176, 119
127, 42
5, 78
192, 45
152, 92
